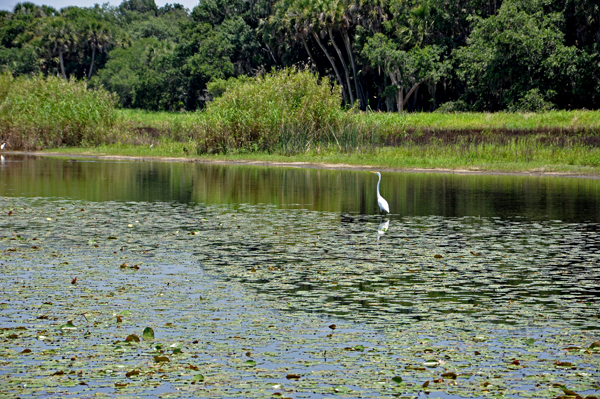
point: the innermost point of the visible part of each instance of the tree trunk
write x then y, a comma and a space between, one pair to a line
432, 88
410, 92
339, 53
310, 56
388, 106
400, 101
415, 98
92, 64
359, 93
332, 62
272, 55
62, 63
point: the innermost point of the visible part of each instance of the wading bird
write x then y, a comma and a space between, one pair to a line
2, 146
383, 205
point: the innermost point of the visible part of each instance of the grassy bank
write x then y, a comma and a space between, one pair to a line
292, 116
485, 157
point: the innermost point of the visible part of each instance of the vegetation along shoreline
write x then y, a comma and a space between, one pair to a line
293, 115
503, 85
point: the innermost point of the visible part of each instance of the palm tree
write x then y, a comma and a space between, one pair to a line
330, 12
302, 17
58, 36
98, 36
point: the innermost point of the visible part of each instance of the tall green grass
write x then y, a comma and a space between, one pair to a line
38, 112
285, 110
293, 113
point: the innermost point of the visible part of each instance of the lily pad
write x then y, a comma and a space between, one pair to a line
148, 333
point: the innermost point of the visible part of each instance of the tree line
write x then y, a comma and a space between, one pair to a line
386, 55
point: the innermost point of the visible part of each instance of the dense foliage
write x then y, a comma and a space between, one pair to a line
289, 108
388, 55
43, 112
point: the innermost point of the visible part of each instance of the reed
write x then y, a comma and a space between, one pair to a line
38, 112
293, 114
287, 110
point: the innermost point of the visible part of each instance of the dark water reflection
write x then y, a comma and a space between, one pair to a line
345, 191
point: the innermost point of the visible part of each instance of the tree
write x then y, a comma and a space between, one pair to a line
509, 54
302, 16
58, 36
98, 36
407, 70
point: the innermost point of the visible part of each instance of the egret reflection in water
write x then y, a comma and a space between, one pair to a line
383, 228
384, 225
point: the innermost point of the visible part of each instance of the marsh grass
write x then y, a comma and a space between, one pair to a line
38, 112
291, 114
288, 110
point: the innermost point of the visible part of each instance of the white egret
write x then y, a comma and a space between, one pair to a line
2, 146
383, 205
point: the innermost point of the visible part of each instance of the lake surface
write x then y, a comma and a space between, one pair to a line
340, 191
286, 282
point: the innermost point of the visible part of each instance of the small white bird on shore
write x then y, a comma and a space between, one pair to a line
2, 146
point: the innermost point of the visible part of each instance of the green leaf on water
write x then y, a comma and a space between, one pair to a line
161, 359
198, 377
250, 363
397, 379
148, 333
359, 348
68, 326
529, 341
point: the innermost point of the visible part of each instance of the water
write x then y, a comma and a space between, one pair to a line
346, 191
492, 278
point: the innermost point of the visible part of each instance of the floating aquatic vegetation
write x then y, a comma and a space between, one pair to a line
258, 301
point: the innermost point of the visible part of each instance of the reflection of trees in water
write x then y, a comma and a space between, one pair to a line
348, 191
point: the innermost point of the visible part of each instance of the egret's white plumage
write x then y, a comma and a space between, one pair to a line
383, 205
2, 146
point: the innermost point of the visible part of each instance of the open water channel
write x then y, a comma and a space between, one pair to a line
262, 282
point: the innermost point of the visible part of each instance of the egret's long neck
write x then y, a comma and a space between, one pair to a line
378, 182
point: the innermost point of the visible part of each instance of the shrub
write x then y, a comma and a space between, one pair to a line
532, 101
263, 112
40, 112
453, 106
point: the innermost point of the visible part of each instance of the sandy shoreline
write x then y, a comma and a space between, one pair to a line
307, 165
